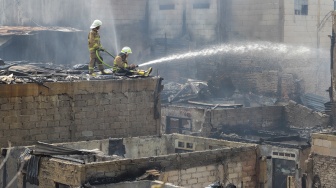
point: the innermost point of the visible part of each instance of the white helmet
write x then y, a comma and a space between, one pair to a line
96, 23
126, 50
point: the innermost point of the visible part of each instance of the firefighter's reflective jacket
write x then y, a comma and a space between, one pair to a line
94, 40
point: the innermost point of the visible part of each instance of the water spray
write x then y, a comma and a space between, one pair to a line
265, 47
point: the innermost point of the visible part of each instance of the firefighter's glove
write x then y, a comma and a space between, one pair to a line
101, 49
132, 66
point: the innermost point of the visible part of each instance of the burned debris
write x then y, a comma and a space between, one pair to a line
26, 72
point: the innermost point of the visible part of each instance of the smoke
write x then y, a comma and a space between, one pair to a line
47, 46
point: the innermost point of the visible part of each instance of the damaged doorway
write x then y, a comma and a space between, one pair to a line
178, 125
282, 168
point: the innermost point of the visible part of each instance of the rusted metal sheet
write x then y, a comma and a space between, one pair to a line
24, 30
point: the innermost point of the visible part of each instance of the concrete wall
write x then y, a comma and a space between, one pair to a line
199, 169
183, 18
204, 120
302, 29
77, 111
275, 21
258, 117
324, 144
51, 13
267, 171
298, 116
137, 147
195, 114
255, 20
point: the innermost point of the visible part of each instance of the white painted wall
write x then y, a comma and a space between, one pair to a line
302, 29
255, 20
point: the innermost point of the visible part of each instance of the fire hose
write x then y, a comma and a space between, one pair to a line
98, 56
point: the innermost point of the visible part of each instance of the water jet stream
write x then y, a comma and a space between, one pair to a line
238, 49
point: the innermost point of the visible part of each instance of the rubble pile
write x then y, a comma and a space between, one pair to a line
196, 91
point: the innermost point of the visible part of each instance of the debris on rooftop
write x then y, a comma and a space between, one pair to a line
18, 72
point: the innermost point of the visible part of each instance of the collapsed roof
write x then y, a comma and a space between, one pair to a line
7, 32
26, 30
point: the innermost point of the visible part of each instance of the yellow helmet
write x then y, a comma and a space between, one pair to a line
126, 50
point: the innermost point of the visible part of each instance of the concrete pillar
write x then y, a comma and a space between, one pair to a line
333, 71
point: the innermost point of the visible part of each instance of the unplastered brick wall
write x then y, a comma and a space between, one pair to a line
324, 159
236, 165
256, 117
299, 116
78, 111
324, 168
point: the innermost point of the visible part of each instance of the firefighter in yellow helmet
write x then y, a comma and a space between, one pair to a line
94, 45
121, 66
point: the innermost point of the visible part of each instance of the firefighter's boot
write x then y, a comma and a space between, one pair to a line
147, 73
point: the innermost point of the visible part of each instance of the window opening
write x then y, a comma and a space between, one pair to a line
301, 7
201, 6
167, 7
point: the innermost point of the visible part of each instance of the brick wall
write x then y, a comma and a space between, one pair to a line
201, 168
77, 111
299, 116
324, 168
323, 159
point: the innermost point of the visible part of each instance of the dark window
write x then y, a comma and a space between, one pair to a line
181, 144
304, 10
167, 7
178, 125
190, 145
60, 185
301, 7
201, 5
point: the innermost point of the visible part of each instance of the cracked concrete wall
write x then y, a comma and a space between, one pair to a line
77, 111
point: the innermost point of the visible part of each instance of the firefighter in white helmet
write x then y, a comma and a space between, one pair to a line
121, 66
94, 45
